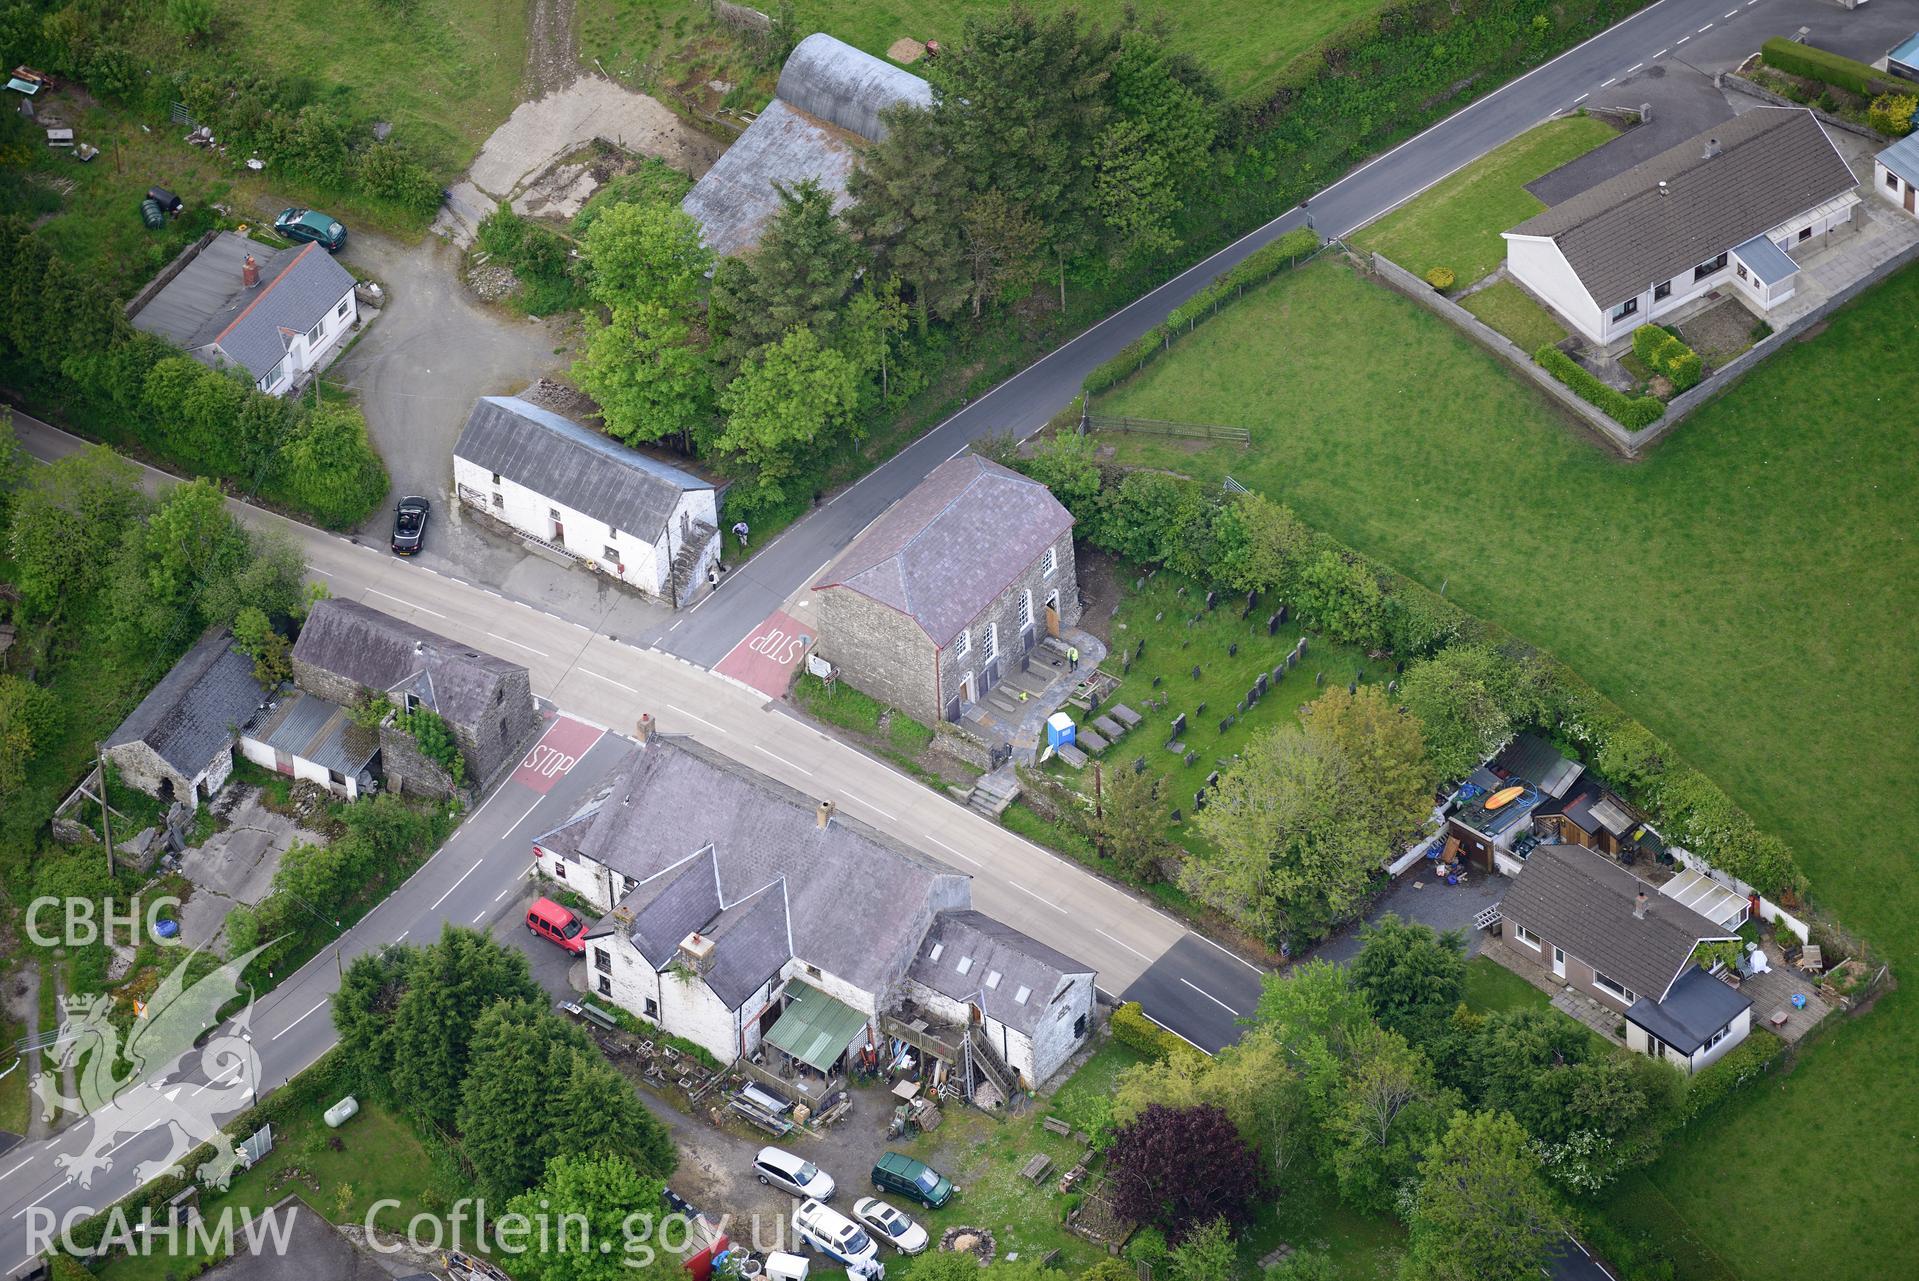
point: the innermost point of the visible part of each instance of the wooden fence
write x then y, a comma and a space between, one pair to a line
1159, 427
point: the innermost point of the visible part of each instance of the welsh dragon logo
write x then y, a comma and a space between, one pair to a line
160, 1045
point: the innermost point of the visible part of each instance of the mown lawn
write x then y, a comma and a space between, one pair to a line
1507, 308
1245, 43
1457, 222
1491, 988
1746, 591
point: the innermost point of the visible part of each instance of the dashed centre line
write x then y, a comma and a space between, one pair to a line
374, 591
289, 1027
528, 648
1604, 83
782, 760
1703, 30
1209, 996
1041, 897
609, 680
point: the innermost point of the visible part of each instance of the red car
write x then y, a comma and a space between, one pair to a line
551, 921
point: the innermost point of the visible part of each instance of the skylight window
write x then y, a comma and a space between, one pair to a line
992, 978
934, 955
1019, 997
965, 964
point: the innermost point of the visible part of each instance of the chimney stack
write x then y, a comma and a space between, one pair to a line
1712, 148
249, 272
696, 952
1639, 906
825, 813
646, 727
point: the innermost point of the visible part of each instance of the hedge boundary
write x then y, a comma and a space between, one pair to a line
1666, 353
1631, 412
1132, 1028
1284, 254
1826, 67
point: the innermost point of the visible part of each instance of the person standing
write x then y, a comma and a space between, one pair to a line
740, 531
713, 578
1072, 658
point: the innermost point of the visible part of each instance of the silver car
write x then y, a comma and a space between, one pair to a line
793, 1175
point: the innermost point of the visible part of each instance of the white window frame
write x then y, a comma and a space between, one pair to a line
1025, 610
1526, 937
1716, 1038
1615, 987
963, 643
313, 334
340, 311
1049, 562
992, 642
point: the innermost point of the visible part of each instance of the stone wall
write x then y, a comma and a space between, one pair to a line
879, 651
141, 767
497, 736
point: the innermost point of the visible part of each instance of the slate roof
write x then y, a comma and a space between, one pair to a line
311, 1248
1624, 235
1533, 759
853, 895
191, 715
952, 545
1698, 1006
378, 651
310, 727
1902, 158
562, 460
1768, 261
990, 948
207, 310
829, 99
1582, 902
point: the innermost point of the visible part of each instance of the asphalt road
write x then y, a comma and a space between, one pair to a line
1710, 34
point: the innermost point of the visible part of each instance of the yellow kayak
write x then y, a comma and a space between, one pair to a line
1501, 799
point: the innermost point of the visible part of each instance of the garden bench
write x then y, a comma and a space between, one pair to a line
1056, 1125
1035, 1169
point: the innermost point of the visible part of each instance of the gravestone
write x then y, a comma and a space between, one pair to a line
1252, 695
1242, 706
1272, 624
1200, 710
1139, 650
1292, 660
1199, 800
1392, 687
1226, 724
1279, 673
1282, 615
1232, 650
1191, 758
1352, 687
1252, 599
1302, 647
1195, 671
1176, 816
1159, 615
1212, 779
1399, 668
1156, 681
1319, 680
1359, 674
1212, 599
1179, 725
1232, 719
1139, 765
1139, 584
1125, 664
1092, 704
1260, 684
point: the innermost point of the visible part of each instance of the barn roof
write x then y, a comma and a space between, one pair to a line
192, 714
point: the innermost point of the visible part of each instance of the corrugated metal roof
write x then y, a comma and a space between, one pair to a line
815, 1028
313, 729
1766, 260
191, 715
1626, 234
1902, 157
839, 84
564, 461
952, 544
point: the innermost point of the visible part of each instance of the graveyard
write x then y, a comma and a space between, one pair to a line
1204, 682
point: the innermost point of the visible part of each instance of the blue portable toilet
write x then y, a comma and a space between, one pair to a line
1060, 730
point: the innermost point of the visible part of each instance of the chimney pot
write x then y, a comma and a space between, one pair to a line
249, 272
1639, 906
825, 813
1712, 148
646, 727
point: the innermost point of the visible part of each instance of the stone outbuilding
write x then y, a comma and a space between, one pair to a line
178, 743
347, 651
949, 588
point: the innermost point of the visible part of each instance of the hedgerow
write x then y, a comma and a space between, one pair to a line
1628, 411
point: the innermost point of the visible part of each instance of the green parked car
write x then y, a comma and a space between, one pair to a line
903, 1176
311, 224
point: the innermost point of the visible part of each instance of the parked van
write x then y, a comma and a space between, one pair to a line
829, 1231
780, 1169
551, 921
902, 1175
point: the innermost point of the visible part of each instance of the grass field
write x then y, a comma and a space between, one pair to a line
1457, 222
1746, 591
1507, 308
1245, 43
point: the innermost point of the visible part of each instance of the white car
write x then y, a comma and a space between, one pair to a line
889, 1225
791, 1174
833, 1234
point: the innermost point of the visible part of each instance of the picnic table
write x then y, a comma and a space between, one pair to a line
1036, 1169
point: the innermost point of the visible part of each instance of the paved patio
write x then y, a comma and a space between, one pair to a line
1047, 681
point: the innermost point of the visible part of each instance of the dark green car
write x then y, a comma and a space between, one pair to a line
903, 1176
311, 224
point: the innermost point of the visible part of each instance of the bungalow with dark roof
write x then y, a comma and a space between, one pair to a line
647, 523
747, 918
178, 743
1598, 929
233, 303
959, 578
1728, 208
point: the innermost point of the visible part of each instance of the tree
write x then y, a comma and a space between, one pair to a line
517, 1048
192, 18
782, 406
801, 276
13, 464
1413, 977
1128, 826
647, 253
1252, 1081
908, 194
1262, 544
66, 523
1134, 192
1389, 1110
1470, 699
29, 719
167, 571
273, 581
595, 1111
584, 1203
1290, 851
999, 241
1340, 595
1208, 1253
363, 1011
1385, 753
254, 636
449, 985
1483, 1213
1181, 1168
328, 468
648, 378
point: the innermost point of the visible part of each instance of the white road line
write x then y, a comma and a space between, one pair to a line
516, 823
876, 809
449, 889
503, 893
1635, 66
477, 915
1227, 952
1681, 41
1123, 943
957, 452
781, 759
1581, 98
23, 1209
528, 648
609, 680
215, 1080
950, 850
1604, 83
402, 937
1029, 894
1189, 1040
1660, 54
1730, 13
676, 625
829, 560
16, 1169
374, 591
316, 569
1703, 30
1215, 1000
289, 1027
691, 717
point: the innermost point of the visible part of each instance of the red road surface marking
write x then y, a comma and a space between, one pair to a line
559, 750
769, 655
